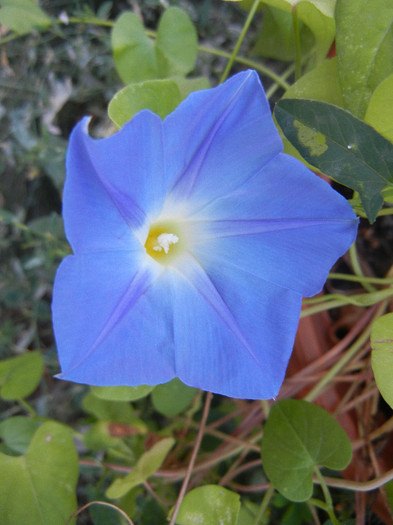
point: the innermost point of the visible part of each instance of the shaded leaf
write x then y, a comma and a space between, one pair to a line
341, 146
17, 432
172, 398
364, 44
209, 505
133, 51
176, 45
147, 464
299, 436
160, 96
276, 38
39, 487
119, 411
121, 393
188, 85
22, 16
382, 356
317, 15
20, 376
379, 112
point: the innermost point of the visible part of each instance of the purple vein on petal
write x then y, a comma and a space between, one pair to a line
138, 286
115, 195
204, 230
196, 275
185, 183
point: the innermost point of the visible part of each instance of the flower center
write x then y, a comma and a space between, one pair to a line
164, 242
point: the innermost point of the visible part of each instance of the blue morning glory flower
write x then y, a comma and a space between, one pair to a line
194, 240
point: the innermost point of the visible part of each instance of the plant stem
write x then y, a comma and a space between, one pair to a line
356, 267
27, 407
351, 352
328, 498
240, 40
190, 467
298, 51
264, 504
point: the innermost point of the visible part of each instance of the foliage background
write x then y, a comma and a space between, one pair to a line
48, 81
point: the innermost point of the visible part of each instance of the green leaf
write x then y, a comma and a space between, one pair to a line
20, 376
189, 85
317, 15
176, 45
17, 432
382, 356
22, 16
276, 37
172, 398
341, 146
39, 487
148, 463
133, 51
321, 83
364, 44
160, 96
121, 393
299, 436
379, 112
209, 505
119, 411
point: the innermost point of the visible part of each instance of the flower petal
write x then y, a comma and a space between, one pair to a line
218, 138
233, 332
112, 321
108, 187
285, 225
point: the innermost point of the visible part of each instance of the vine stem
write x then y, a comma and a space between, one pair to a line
351, 352
240, 40
104, 504
328, 498
264, 505
298, 51
191, 464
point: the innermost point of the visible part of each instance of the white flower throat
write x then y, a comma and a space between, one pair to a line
165, 241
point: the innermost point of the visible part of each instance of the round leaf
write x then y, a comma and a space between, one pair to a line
121, 393
299, 436
379, 113
172, 398
22, 16
20, 376
176, 43
133, 51
160, 96
209, 505
39, 487
382, 356
17, 432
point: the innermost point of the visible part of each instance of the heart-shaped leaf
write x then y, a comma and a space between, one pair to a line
209, 505
160, 96
172, 398
341, 146
39, 487
299, 436
20, 376
382, 356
